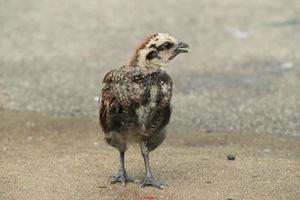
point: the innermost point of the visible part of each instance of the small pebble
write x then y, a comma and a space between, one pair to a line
230, 157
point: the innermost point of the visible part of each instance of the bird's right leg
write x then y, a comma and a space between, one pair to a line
148, 179
122, 175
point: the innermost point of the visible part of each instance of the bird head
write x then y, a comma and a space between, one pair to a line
157, 50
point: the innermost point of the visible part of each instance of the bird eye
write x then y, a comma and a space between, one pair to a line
167, 45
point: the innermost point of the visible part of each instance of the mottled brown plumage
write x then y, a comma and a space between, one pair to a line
135, 101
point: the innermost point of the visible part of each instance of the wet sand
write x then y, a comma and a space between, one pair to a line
47, 158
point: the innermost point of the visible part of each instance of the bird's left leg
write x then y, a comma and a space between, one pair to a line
122, 175
148, 179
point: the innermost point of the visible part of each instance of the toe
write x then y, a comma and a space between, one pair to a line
131, 179
148, 181
113, 181
121, 178
123, 183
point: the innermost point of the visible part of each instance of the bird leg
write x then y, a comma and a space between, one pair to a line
121, 175
148, 179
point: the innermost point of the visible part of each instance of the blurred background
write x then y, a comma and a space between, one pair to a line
241, 75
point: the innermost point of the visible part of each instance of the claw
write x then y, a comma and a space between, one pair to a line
150, 181
122, 178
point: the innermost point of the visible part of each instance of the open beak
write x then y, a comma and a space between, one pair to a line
180, 48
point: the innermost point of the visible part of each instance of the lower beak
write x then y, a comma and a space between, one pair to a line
181, 48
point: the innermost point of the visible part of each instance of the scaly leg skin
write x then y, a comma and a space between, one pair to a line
148, 179
121, 176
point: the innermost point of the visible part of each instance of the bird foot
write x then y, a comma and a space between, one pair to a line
150, 181
122, 178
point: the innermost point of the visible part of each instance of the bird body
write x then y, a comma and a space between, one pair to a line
135, 104
135, 101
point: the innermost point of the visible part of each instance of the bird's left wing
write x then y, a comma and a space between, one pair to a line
119, 92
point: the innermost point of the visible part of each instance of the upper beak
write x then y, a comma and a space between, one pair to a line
182, 47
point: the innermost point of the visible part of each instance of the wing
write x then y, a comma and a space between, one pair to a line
108, 101
119, 94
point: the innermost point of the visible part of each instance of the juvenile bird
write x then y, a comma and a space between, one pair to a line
135, 102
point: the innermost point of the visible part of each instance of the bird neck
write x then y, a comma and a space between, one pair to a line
148, 68
149, 64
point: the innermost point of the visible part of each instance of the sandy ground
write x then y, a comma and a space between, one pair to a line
47, 158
